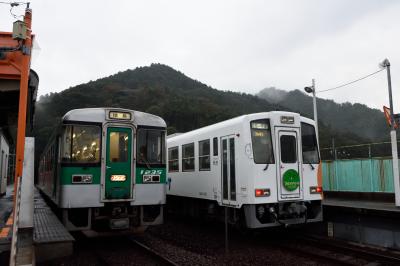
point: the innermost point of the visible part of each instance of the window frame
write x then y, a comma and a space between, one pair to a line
272, 161
163, 162
194, 157
215, 146
316, 142
296, 159
124, 153
203, 156
173, 160
83, 164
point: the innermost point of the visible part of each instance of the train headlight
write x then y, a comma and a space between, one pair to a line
82, 179
118, 178
151, 179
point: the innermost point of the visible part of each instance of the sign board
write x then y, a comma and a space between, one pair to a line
386, 112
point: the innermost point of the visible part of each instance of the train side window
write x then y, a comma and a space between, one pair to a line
309, 144
173, 160
66, 140
204, 155
188, 157
215, 146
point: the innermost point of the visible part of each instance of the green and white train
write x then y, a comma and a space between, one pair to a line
104, 168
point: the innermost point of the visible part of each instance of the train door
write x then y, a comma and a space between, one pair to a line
118, 164
289, 180
228, 171
2, 167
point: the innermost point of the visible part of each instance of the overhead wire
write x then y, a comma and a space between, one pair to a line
351, 82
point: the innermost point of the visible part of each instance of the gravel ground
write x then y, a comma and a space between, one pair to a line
194, 243
105, 251
190, 242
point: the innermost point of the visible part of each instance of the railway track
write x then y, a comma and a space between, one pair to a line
152, 252
340, 253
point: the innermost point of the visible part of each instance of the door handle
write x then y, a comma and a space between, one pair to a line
108, 167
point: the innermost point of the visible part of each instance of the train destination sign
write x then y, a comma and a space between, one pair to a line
120, 115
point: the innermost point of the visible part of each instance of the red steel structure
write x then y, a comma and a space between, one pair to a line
14, 69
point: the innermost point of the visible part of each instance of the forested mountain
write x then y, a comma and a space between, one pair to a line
345, 118
184, 103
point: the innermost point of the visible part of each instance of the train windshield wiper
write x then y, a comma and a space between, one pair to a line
266, 167
143, 160
312, 167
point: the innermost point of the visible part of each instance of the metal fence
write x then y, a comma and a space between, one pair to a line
360, 151
358, 168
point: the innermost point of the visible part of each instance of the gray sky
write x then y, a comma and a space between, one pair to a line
230, 45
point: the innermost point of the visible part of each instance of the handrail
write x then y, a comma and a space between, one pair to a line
14, 240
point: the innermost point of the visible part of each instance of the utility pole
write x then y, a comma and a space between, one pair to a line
393, 137
315, 108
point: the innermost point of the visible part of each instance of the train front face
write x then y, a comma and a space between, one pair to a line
286, 169
106, 183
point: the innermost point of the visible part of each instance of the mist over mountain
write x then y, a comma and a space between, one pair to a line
184, 103
345, 118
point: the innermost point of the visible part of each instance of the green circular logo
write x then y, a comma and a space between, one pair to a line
291, 180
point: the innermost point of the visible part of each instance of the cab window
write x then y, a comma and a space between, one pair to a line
261, 141
309, 144
80, 144
150, 146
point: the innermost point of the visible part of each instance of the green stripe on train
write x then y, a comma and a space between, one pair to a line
67, 172
153, 171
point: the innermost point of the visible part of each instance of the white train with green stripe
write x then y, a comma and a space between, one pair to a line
104, 168
264, 168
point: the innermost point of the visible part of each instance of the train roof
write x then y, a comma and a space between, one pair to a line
239, 119
100, 115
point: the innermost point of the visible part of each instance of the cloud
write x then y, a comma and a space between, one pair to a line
235, 45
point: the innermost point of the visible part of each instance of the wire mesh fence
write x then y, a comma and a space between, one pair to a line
360, 151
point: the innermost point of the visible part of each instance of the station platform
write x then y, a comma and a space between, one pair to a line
364, 218
367, 205
384, 202
50, 237
6, 205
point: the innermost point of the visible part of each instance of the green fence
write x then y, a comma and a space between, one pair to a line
358, 175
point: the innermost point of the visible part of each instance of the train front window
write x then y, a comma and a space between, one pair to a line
150, 146
262, 142
309, 144
81, 144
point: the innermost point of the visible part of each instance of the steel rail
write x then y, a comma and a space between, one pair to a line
348, 248
327, 256
152, 252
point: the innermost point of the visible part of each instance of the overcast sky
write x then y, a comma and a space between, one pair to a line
230, 45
